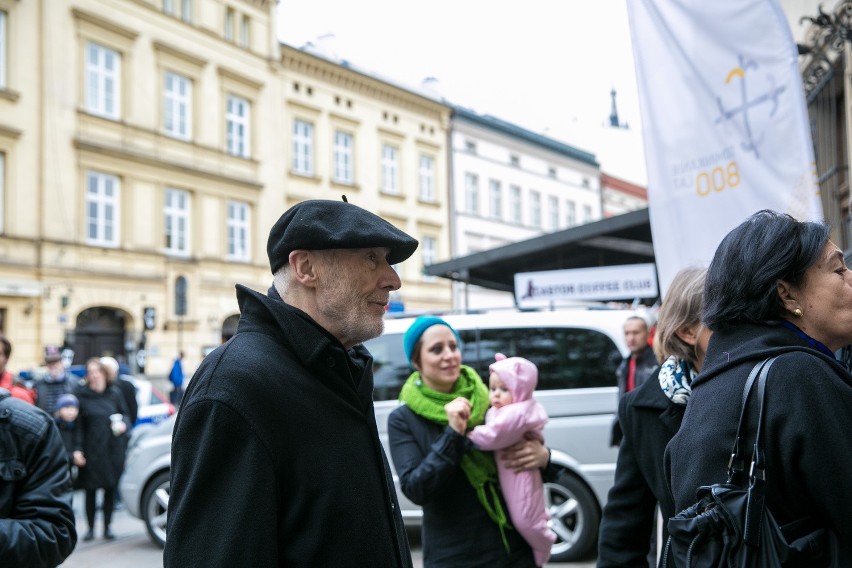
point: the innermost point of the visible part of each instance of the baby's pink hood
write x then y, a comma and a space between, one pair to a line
518, 374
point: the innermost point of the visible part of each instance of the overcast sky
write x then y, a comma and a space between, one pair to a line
545, 65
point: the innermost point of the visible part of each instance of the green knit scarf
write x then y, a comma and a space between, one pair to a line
478, 466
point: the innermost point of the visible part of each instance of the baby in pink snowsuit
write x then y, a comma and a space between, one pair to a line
513, 416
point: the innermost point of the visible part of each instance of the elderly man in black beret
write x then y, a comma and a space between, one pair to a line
276, 459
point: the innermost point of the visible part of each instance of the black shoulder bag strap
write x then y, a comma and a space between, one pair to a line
757, 473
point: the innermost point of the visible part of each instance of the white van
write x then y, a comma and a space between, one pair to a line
577, 352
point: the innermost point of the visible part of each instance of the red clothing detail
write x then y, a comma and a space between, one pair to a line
631, 374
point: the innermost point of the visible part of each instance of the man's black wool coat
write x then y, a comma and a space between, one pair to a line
276, 459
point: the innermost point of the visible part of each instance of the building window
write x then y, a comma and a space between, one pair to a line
570, 213
303, 147
390, 169
343, 154
495, 200
553, 205
427, 179
237, 119
229, 24
587, 213
428, 248
470, 146
102, 209
586, 182
515, 160
177, 221
471, 194
186, 11
177, 105
103, 74
245, 26
515, 204
2, 190
238, 231
551, 172
169, 7
535, 209
3, 41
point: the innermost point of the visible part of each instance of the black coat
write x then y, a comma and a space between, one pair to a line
649, 420
646, 364
128, 392
104, 451
808, 420
457, 532
36, 519
276, 458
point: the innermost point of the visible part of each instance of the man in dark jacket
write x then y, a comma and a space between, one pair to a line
276, 458
36, 518
635, 368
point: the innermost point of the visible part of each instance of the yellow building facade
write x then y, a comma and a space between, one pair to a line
146, 149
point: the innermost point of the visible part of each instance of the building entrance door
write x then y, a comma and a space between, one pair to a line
100, 331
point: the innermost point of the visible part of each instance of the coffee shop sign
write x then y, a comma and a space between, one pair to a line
606, 283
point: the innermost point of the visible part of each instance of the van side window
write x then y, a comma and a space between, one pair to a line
567, 358
390, 367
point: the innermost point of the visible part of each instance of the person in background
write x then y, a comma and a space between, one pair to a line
176, 378
514, 416
276, 456
57, 381
9, 381
124, 384
36, 519
100, 443
776, 286
649, 417
465, 524
635, 368
65, 416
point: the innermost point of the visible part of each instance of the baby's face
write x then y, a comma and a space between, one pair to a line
68, 413
498, 393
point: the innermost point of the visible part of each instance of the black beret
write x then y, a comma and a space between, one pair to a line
320, 224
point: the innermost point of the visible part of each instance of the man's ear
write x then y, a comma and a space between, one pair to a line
303, 267
787, 294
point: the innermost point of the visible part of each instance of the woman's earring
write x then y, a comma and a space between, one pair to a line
797, 312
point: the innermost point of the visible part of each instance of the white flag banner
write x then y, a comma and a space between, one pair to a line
724, 122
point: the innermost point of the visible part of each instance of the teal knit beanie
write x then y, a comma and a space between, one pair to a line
421, 324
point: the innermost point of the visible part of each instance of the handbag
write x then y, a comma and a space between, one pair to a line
730, 525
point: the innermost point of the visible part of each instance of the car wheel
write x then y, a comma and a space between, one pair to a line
574, 517
155, 507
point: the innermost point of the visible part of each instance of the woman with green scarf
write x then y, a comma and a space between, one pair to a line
465, 521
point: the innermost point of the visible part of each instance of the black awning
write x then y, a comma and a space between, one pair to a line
624, 239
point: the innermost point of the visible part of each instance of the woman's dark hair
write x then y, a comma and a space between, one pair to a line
751, 259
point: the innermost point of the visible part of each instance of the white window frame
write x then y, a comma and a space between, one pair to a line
344, 150
238, 126
535, 209
471, 193
244, 31
587, 213
390, 169
177, 105
428, 253
2, 190
495, 199
103, 80
515, 207
4, 48
238, 227
427, 178
186, 11
176, 221
169, 7
102, 209
553, 206
570, 213
303, 147
229, 24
